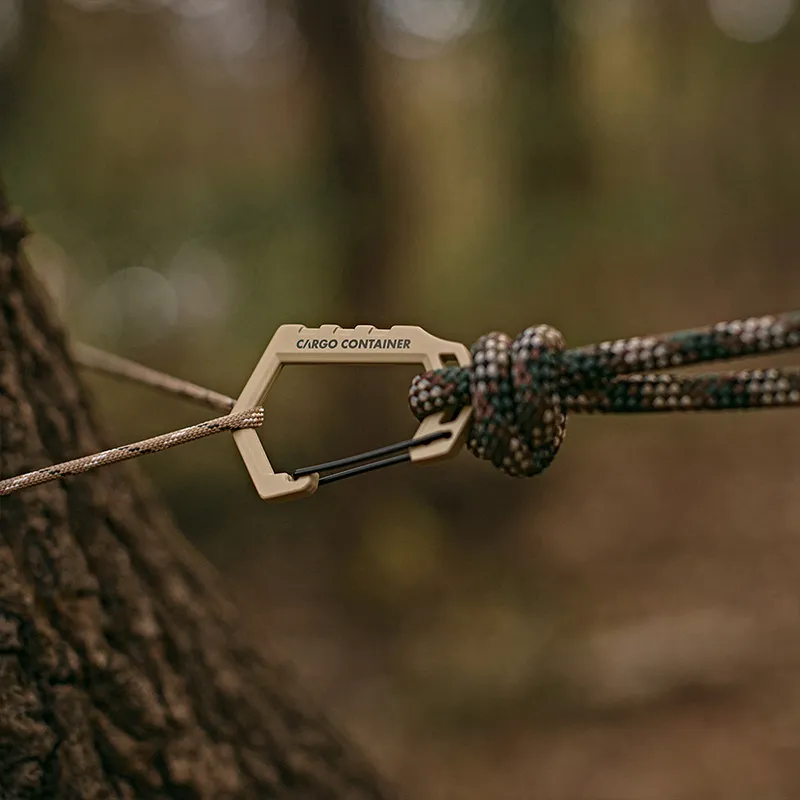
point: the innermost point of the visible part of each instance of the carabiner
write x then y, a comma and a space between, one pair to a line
436, 438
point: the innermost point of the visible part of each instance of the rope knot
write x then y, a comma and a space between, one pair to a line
516, 389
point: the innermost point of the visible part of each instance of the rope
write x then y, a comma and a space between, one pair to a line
231, 422
522, 391
100, 361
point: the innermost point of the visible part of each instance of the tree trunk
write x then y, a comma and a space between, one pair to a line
17, 58
356, 160
121, 670
549, 143
363, 178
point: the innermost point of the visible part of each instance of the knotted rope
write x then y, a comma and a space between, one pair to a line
522, 390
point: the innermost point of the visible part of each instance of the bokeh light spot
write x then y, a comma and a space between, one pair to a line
202, 282
238, 35
135, 306
421, 28
751, 20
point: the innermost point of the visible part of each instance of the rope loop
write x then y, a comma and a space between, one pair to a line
521, 390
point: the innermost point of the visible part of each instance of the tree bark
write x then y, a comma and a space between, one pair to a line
122, 673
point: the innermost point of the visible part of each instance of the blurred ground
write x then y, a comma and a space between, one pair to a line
623, 627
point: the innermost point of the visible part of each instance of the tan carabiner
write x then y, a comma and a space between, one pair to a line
330, 344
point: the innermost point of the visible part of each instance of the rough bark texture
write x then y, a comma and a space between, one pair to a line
121, 671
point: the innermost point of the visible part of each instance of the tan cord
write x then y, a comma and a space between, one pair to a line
100, 361
251, 418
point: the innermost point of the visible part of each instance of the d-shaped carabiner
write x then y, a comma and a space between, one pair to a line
435, 439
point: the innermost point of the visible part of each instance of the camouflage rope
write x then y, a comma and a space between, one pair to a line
522, 390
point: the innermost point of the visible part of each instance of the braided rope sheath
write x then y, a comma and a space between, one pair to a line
231, 422
521, 391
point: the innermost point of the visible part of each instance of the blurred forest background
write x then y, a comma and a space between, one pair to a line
198, 172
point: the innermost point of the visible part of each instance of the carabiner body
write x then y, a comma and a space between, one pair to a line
331, 344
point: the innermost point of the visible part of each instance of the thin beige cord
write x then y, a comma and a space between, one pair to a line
252, 418
110, 364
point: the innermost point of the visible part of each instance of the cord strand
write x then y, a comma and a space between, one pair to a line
116, 366
252, 418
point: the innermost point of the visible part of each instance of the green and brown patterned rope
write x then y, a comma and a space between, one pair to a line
522, 390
